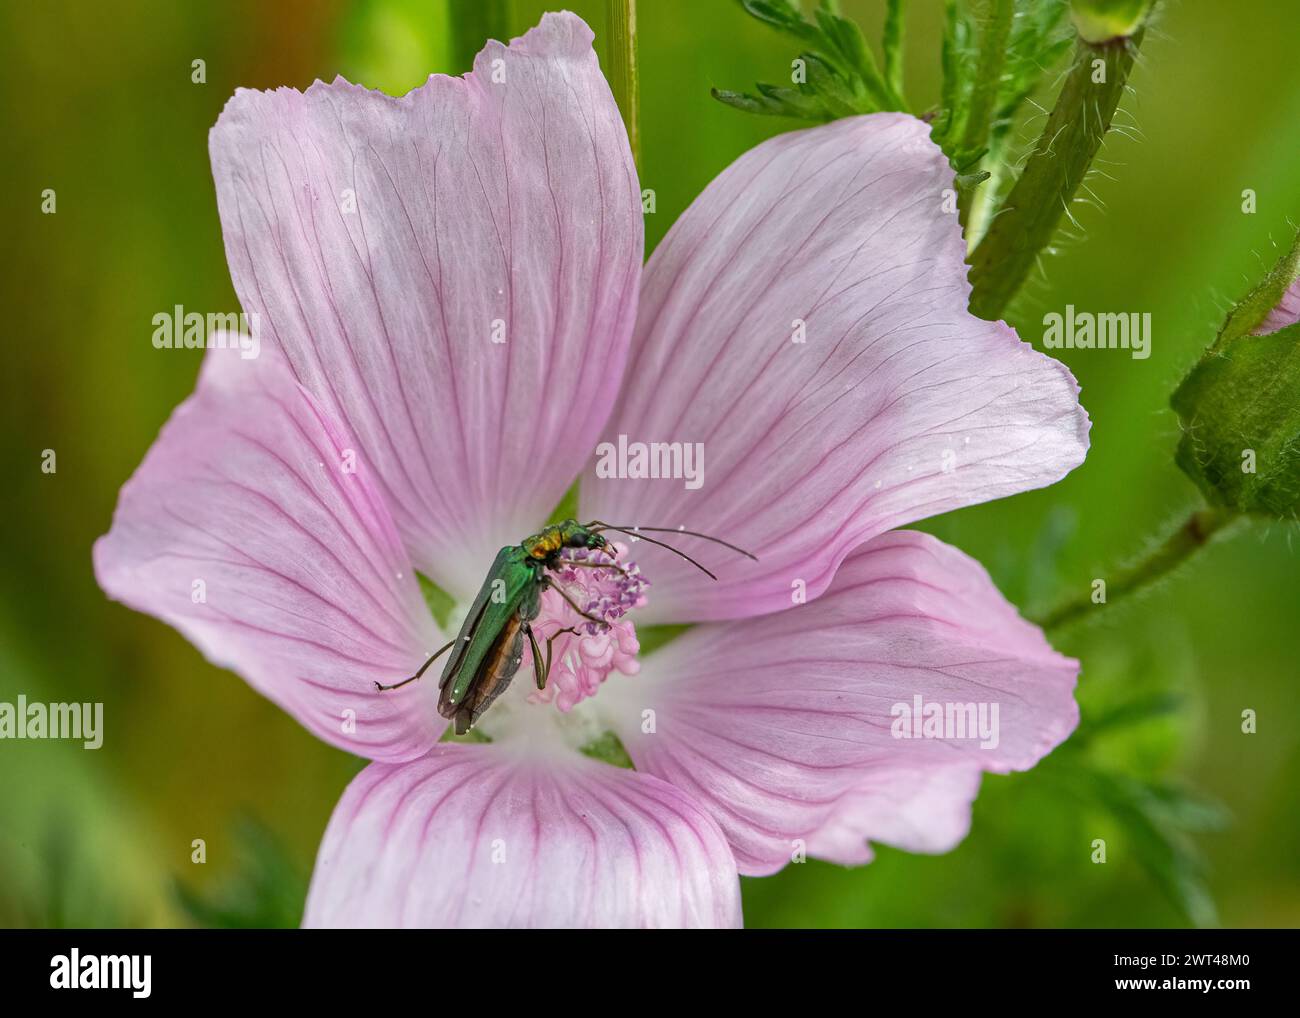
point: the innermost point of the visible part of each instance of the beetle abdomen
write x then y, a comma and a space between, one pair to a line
497, 670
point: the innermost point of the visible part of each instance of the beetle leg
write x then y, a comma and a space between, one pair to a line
542, 672
596, 565
539, 673
423, 668
573, 604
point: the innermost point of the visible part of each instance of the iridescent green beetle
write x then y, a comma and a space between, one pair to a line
490, 645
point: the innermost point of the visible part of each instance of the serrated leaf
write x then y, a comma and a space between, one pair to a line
780, 14
757, 104
1151, 817
835, 95
792, 102
842, 76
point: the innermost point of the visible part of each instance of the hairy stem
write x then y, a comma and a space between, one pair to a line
1195, 533
1055, 169
994, 19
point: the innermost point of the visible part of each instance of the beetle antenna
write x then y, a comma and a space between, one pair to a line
675, 551
674, 530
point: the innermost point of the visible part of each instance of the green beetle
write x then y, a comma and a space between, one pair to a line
490, 645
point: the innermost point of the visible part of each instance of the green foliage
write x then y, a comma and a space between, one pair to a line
72, 889
1249, 312
567, 509
995, 54
264, 890
651, 638
439, 601
1240, 411
835, 75
1240, 407
609, 749
1157, 822
1052, 175
1134, 724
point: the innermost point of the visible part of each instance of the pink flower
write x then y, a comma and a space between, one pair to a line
447, 288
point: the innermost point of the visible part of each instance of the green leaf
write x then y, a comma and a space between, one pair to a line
1156, 820
995, 55
651, 638
1158, 704
568, 507
439, 601
608, 748
842, 78
748, 103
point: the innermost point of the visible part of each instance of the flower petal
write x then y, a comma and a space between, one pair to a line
916, 807
1286, 313
785, 727
245, 530
454, 273
478, 836
805, 322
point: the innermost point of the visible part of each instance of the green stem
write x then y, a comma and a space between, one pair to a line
994, 19
474, 23
1060, 160
621, 71
1193, 535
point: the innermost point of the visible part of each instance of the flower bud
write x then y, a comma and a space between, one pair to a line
1099, 21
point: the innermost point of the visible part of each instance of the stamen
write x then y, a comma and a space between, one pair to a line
584, 661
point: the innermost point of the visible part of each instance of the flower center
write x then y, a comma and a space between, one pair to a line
583, 653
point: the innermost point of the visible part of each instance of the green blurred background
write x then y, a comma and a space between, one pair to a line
1200, 820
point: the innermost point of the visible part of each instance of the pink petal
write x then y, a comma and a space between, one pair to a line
1286, 313
914, 806
475, 836
477, 200
783, 726
244, 530
898, 405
